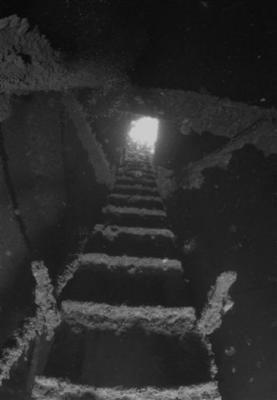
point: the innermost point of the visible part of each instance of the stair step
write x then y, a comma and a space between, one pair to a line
136, 200
106, 346
137, 189
131, 265
133, 216
112, 231
138, 164
141, 168
133, 172
132, 241
143, 212
167, 321
125, 179
134, 156
127, 280
57, 389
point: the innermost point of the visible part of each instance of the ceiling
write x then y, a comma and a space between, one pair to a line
225, 47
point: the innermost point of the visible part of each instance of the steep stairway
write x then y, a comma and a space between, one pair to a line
128, 326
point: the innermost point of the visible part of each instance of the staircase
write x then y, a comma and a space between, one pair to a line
129, 329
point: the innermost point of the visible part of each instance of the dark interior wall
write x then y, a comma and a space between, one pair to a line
32, 167
106, 122
12, 244
85, 194
33, 143
14, 256
229, 224
49, 194
111, 133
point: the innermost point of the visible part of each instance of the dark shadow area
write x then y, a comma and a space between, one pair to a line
136, 201
131, 289
133, 358
148, 221
138, 245
229, 224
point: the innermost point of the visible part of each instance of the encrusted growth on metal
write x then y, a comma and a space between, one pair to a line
135, 187
145, 212
111, 232
161, 320
218, 304
135, 198
28, 62
45, 321
56, 389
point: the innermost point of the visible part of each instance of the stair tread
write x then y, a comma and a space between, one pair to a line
136, 172
155, 319
105, 346
139, 162
118, 238
112, 231
135, 200
143, 212
134, 188
141, 179
135, 185
138, 169
135, 197
125, 280
129, 264
59, 389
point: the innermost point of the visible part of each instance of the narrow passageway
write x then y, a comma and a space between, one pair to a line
128, 326
138, 169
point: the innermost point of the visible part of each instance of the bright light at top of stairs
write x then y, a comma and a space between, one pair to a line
144, 132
